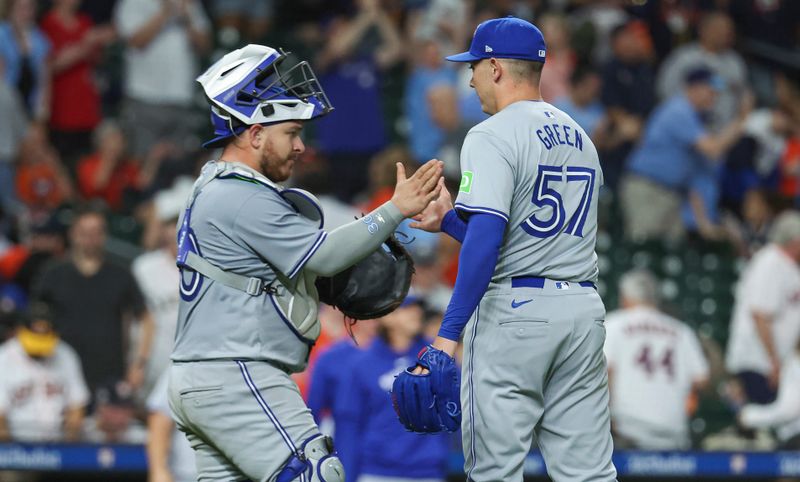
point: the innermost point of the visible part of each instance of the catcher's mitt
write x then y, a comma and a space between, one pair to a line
430, 402
374, 286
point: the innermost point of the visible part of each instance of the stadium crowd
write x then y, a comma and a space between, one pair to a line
694, 106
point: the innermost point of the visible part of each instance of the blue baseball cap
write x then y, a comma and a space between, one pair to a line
704, 75
504, 38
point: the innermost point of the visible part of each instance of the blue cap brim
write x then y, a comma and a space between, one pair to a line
463, 57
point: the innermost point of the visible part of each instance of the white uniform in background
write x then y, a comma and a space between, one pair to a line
34, 394
770, 285
654, 359
158, 279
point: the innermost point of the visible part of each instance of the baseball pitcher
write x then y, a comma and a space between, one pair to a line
526, 215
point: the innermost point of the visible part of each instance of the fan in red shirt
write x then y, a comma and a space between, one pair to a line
109, 174
75, 102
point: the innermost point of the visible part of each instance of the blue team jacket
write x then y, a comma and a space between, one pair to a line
368, 436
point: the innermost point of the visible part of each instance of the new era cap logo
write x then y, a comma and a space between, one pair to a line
488, 49
541, 53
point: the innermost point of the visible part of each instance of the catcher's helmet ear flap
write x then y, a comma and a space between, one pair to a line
251, 86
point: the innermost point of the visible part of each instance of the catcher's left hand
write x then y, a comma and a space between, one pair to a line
429, 402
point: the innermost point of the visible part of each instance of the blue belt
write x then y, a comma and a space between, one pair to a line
538, 282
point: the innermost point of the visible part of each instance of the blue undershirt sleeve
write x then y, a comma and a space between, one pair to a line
454, 226
479, 252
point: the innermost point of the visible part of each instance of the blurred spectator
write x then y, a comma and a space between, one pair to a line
45, 244
327, 377
443, 103
383, 174
163, 39
42, 182
424, 135
12, 132
593, 23
109, 174
676, 163
773, 22
242, 21
158, 278
444, 22
114, 418
790, 168
582, 103
628, 94
656, 367
714, 50
561, 59
170, 458
783, 415
75, 101
24, 50
357, 49
754, 160
751, 233
372, 445
93, 300
766, 316
42, 392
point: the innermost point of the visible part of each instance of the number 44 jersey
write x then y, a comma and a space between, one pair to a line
533, 166
653, 360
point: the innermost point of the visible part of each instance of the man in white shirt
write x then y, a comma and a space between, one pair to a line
163, 39
766, 315
655, 365
158, 278
43, 395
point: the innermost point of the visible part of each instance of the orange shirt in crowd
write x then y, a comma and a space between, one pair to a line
37, 186
790, 169
125, 176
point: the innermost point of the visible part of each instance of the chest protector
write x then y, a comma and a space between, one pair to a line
296, 299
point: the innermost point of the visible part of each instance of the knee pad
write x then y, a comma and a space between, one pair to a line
314, 461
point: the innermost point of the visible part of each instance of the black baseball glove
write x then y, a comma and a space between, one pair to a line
374, 286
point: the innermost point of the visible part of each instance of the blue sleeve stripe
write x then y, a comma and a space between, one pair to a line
309, 254
479, 209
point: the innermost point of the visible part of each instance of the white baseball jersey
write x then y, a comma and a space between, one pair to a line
654, 359
535, 167
770, 285
158, 278
35, 394
181, 456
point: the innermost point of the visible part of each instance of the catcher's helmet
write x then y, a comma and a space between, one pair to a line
248, 86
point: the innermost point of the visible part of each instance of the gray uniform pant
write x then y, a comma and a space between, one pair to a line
535, 371
243, 418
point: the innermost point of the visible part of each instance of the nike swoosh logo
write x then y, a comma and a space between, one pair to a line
515, 305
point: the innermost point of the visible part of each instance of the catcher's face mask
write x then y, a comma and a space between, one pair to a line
256, 85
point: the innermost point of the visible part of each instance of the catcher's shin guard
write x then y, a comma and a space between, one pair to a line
316, 459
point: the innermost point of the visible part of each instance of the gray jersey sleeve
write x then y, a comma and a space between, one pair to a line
348, 244
277, 233
487, 180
